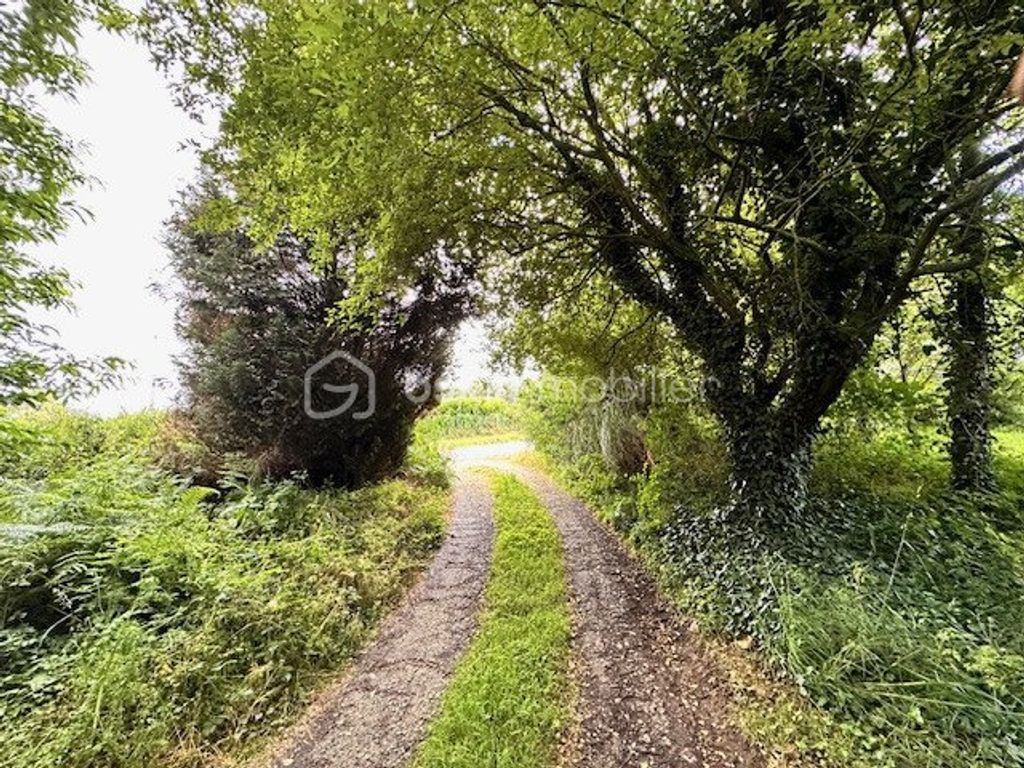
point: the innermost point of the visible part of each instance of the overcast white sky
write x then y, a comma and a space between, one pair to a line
132, 136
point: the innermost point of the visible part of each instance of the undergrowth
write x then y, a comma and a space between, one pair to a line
888, 624
146, 622
505, 704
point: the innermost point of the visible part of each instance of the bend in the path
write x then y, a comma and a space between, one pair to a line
378, 714
649, 696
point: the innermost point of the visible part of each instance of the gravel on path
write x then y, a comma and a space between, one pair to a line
377, 714
649, 694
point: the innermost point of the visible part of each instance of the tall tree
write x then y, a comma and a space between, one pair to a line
769, 177
969, 375
38, 172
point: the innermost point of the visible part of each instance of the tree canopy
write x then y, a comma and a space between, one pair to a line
770, 178
38, 173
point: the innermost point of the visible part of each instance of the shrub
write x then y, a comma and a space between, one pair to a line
563, 418
255, 321
1008, 400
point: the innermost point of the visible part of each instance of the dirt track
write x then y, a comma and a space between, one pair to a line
649, 696
377, 714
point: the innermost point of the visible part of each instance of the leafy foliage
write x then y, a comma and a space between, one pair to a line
149, 623
263, 344
770, 180
38, 173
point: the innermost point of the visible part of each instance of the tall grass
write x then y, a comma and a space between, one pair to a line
466, 419
149, 623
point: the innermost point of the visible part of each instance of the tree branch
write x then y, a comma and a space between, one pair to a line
978, 192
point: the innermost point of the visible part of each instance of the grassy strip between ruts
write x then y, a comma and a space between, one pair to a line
507, 701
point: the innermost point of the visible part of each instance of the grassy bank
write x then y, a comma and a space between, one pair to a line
506, 703
146, 622
884, 632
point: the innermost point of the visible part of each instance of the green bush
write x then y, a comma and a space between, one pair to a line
48, 440
892, 464
152, 623
562, 418
874, 401
267, 332
1008, 399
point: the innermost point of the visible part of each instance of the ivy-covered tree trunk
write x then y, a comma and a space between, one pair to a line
770, 463
769, 422
969, 375
969, 386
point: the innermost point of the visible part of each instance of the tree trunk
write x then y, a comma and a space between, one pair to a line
770, 430
969, 375
770, 465
969, 386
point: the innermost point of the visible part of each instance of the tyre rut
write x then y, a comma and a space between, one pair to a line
649, 694
378, 713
